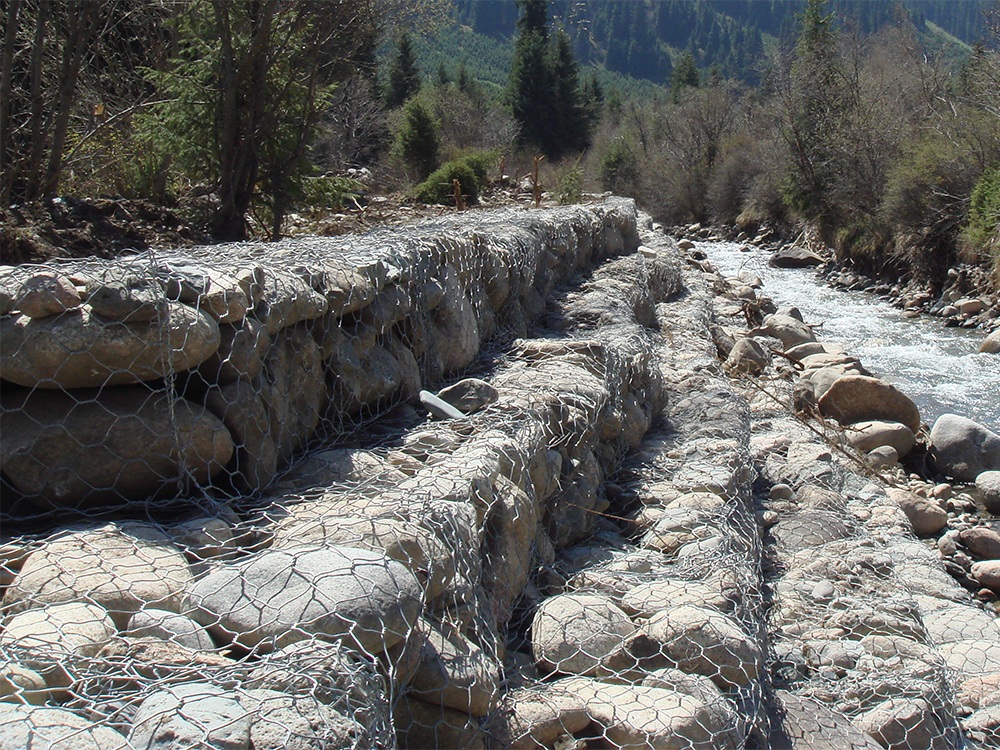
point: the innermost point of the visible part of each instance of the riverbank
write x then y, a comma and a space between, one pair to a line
861, 615
967, 299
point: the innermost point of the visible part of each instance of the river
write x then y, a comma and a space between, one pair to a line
938, 367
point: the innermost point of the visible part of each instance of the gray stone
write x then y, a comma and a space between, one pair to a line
122, 443
80, 350
192, 715
925, 515
18, 684
426, 556
130, 298
276, 598
794, 256
293, 722
856, 398
883, 457
241, 407
963, 449
439, 407
697, 686
288, 299
650, 717
806, 724
469, 395
456, 673
900, 724
983, 542
572, 633
983, 726
809, 528
789, 331
33, 727
991, 344
958, 622
647, 599
699, 640
46, 294
748, 357
533, 718
240, 355
421, 725
56, 632
988, 487
867, 436
170, 626
122, 567
331, 673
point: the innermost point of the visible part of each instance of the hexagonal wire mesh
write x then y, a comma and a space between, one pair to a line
227, 521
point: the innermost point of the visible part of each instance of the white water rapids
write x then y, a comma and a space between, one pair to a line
938, 367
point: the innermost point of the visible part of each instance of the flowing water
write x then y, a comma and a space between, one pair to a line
939, 368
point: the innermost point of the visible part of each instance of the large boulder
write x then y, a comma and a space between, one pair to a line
925, 515
123, 567
71, 449
40, 637
856, 398
991, 344
988, 487
455, 672
191, 715
794, 256
279, 597
963, 449
748, 357
694, 639
295, 722
572, 633
54, 729
806, 724
78, 349
788, 330
531, 718
634, 716
867, 436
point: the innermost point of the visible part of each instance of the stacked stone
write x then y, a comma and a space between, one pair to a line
160, 374
646, 632
871, 635
369, 596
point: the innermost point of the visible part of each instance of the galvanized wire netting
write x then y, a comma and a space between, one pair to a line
232, 517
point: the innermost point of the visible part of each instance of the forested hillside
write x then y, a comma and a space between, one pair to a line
643, 38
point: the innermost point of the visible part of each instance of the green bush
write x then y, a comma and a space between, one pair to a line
472, 172
571, 185
984, 211
417, 143
620, 168
439, 187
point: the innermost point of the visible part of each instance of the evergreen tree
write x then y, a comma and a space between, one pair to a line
417, 141
572, 124
530, 90
685, 75
442, 75
814, 102
544, 88
404, 76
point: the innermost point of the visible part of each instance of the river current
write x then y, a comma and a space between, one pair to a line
938, 367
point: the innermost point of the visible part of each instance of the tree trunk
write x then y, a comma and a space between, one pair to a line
36, 133
82, 20
6, 81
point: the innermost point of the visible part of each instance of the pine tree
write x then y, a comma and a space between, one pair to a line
417, 142
685, 75
530, 90
404, 76
572, 126
544, 89
814, 101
